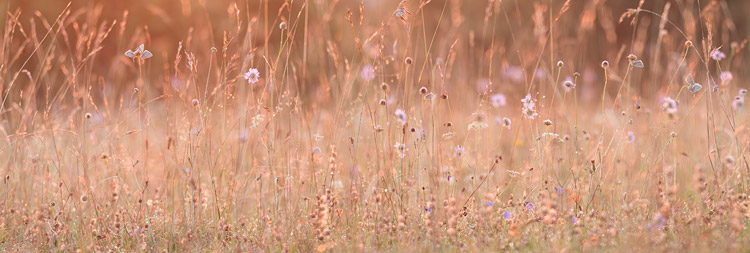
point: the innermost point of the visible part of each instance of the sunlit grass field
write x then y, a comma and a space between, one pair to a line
374, 126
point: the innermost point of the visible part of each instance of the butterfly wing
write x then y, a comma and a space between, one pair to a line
146, 54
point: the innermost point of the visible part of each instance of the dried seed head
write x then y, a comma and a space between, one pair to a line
547, 122
195, 102
282, 26
382, 102
88, 115
408, 60
605, 64
448, 124
631, 57
136, 90
560, 64
213, 50
444, 96
384, 86
688, 43
423, 90
84, 198
576, 74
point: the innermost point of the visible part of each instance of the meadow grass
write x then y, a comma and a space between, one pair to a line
368, 126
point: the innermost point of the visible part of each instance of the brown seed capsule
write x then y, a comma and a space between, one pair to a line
444, 96
423, 90
88, 115
605, 64
384, 86
408, 60
688, 43
382, 102
631, 57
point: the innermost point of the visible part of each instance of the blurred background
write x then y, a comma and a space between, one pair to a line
497, 43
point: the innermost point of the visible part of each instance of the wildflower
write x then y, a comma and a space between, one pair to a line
477, 125
669, 105
448, 135
507, 215
529, 109
568, 85
547, 122
742, 92
400, 116
573, 220
139, 53
459, 151
252, 76
738, 102
717, 55
489, 203
559, 190
504, 122
514, 73
498, 100
729, 160
726, 77
483, 85
368, 73
631, 137
529, 206
401, 149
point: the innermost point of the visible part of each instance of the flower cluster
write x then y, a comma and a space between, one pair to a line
529, 108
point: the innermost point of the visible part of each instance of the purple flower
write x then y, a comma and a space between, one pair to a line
726, 77
427, 208
252, 76
529, 109
507, 215
573, 220
498, 100
529, 206
459, 151
489, 203
368, 73
559, 190
631, 137
514, 73
717, 55
400, 116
